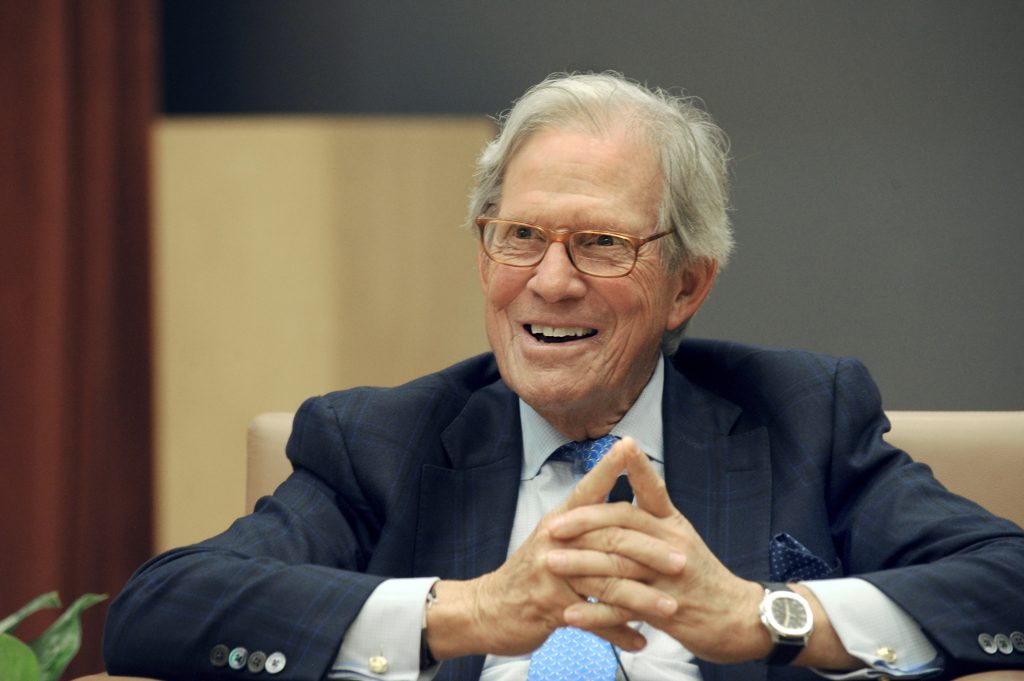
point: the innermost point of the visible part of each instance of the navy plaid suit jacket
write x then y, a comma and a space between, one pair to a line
422, 480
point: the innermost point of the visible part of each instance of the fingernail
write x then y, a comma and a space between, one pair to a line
677, 560
667, 606
573, 616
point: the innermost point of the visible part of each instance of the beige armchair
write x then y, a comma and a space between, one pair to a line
979, 455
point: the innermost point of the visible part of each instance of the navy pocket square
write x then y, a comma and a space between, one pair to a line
791, 561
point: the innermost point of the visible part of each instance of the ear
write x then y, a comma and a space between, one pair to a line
693, 284
483, 268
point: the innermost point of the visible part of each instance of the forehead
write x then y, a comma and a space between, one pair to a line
562, 178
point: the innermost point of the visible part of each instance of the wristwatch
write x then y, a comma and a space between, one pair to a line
787, 617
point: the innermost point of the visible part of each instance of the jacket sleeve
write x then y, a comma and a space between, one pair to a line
286, 579
954, 567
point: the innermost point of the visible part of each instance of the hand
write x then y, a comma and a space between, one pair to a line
512, 610
648, 563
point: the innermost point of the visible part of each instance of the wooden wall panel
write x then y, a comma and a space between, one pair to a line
293, 256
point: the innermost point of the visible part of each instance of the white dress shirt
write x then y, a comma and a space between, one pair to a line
390, 622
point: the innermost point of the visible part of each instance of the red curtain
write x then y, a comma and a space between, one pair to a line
77, 89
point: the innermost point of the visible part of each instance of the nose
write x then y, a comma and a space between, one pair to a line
555, 277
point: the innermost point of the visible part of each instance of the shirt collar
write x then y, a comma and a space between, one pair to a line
642, 423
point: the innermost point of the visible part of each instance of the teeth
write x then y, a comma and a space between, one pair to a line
560, 332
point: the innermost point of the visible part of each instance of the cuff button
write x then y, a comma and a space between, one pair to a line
237, 658
987, 643
275, 663
219, 655
257, 661
1003, 644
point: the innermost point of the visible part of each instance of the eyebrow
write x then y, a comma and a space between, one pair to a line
576, 226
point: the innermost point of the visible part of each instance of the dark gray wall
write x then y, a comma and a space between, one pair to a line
879, 183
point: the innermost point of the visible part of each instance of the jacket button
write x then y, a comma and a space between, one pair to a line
1017, 639
257, 661
987, 643
219, 655
237, 658
275, 663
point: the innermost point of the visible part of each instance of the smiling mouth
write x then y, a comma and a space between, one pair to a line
558, 334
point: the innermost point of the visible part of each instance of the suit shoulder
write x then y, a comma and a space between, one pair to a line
754, 375
696, 355
377, 419
443, 391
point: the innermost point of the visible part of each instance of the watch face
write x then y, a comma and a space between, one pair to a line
788, 612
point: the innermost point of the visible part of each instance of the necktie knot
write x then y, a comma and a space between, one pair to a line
585, 453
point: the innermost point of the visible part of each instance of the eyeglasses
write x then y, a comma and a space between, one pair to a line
597, 253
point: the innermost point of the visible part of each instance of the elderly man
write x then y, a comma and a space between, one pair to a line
450, 527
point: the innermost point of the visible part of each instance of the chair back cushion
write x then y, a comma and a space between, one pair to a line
977, 454
266, 464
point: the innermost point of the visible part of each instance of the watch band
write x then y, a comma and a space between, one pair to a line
775, 586
427, 659
785, 650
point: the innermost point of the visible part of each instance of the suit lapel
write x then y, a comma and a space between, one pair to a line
466, 509
718, 475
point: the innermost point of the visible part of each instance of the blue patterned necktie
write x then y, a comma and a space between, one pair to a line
571, 654
585, 453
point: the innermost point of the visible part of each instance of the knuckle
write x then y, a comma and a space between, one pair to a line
609, 590
626, 567
615, 540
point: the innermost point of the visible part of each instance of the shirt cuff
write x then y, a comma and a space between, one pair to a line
387, 630
875, 630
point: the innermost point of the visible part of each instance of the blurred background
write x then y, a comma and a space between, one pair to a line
215, 209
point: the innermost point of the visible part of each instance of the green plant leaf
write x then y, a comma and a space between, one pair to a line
48, 600
17, 661
58, 644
